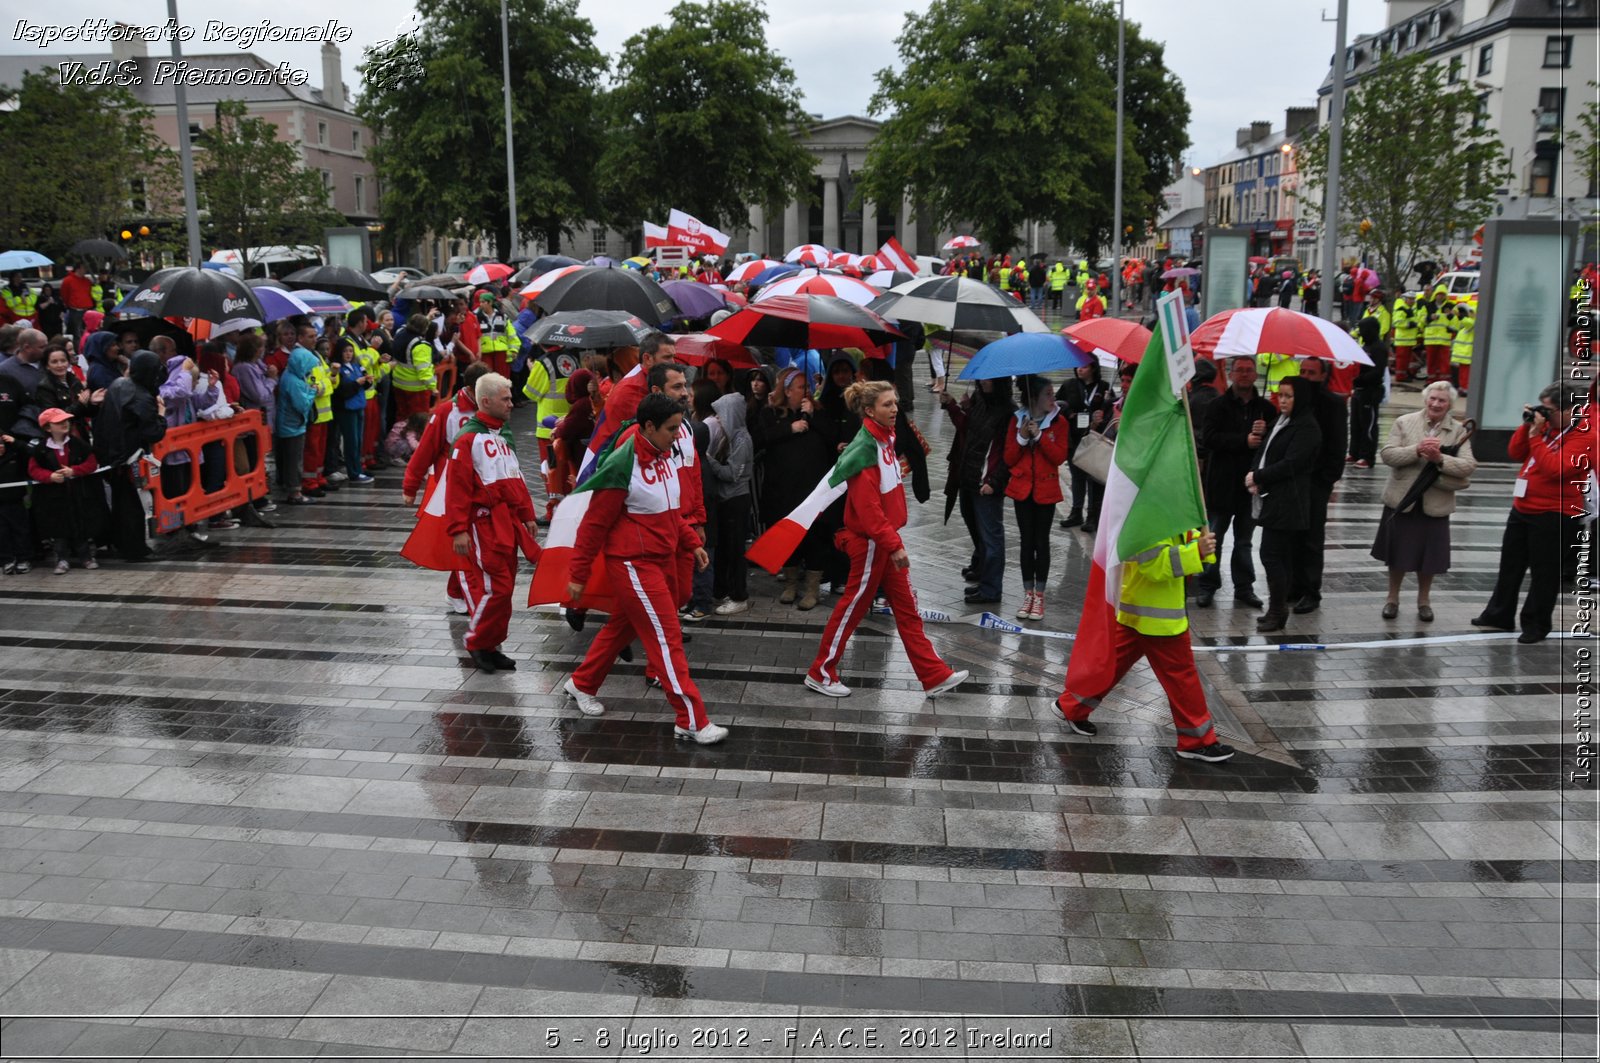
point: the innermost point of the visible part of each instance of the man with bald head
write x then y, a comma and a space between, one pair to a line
20, 377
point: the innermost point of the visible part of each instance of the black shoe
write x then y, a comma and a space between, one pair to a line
1072, 520
500, 660
313, 492
1082, 727
626, 653
576, 618
482, 659
1215, 753
969, 573
1492, 625
1090, 529
1270, 622
1204, 599
978, 598
1247, 598
652, 682
1527, 638
1392, 610
1307, 604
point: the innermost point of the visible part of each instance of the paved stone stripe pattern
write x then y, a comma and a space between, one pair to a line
253, 799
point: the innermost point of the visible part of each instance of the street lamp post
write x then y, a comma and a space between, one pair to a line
511, 164
1330, 209
1116, 210
191, 211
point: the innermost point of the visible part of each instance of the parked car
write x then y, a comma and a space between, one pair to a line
1460, 286
394, 273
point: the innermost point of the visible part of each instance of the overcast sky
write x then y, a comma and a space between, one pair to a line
1240, 60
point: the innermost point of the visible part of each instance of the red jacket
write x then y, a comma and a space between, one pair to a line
1555, 468
875, 500
1036, 465
642, 521
486, 484
621, 403
433, 449
278, 359
691, 487
76, 292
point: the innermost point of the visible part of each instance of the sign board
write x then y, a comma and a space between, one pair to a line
672, 256
350, 246
1522, 312
1174, 326
1225, 272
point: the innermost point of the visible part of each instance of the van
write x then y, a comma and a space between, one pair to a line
1460, 286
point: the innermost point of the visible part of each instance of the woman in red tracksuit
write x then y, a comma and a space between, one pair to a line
1036, 443
874, 513
635, 519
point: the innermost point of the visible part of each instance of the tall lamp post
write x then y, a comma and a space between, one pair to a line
1116, 210
1330, 208
191, 211
511, 163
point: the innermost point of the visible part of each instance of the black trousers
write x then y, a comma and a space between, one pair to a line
1280, 554
1306, 579
127, 515
1034, 521
1364, 425
732, 524
969, 517
1532, 545
1241, 564
1080, 488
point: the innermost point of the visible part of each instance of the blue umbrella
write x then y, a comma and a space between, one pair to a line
23, 260
693, 298
772, 273
1023, 353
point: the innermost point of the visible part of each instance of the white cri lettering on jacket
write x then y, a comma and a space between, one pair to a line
493, 459
889, 476
654, 487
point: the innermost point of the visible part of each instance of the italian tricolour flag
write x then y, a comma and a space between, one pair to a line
1153, 488
773, 550
553, 572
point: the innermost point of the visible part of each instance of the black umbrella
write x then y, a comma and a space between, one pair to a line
148, 328
339, 280
539, 267
604, 288
956, 303
98, 249
443, 280
589, 330
819, 321
184, 291
1430, 472
426, 291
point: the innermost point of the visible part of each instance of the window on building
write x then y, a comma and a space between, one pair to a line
361, 194
1412, 34
1552, 104
1558, 52
598, 242
195, 129
138, 201
1458, 65
1435, 24
322, 133
1542, 175
1485, 59
327, 185
355, 140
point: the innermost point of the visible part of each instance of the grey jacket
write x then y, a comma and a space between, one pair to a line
732, 461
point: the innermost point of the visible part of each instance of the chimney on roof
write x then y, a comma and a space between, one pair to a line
332, 76
1296, 119
1260, 131
128, 45
1242, 137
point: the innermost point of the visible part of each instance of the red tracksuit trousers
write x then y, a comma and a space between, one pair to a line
870, 571
487, 586
1402, 361
316, 452
1438, 362
647, 609
1172, 659
369, 432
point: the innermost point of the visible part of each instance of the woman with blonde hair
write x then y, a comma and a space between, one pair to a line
1414, 532
874, 513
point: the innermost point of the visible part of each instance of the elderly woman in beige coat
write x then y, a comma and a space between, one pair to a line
1418, 540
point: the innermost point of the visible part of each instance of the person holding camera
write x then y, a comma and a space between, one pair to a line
1556, 445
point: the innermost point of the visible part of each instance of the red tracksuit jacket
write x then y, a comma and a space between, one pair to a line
486, 482
691, 491
875, 501
433, 449
644, 521
1554, 468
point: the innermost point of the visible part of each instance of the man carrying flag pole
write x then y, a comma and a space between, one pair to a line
1152, 535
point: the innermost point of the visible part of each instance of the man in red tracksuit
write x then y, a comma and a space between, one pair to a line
669, 379
635, 518
624, 399
433, 450
489, 516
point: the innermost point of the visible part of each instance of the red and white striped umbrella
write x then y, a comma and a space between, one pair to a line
813, 254
544, 280
959, 242
746, 270
1274, 330
489, 273
807, 283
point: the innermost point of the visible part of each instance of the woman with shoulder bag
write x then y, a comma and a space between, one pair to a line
1085, 404
1281, 484
1035, 446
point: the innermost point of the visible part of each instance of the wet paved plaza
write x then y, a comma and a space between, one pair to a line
254, 803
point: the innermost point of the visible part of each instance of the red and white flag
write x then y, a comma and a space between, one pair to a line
892, 256
429, 545
688, 231
655, 235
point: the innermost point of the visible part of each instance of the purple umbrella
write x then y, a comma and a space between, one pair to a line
277, 304
1178, 272
694, 299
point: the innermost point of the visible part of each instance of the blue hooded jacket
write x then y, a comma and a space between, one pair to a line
103, 364
296, 396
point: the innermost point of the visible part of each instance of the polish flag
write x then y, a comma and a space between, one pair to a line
688, 231
429, 544
655, 235
892, 256
773, 550
553, 571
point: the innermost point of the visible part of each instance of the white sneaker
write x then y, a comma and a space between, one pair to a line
729, 608
337, 477
835, 689
588, 704
709, 735
457, 605
955, 680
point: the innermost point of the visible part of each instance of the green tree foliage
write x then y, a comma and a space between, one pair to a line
1418, 164
253, 187
1005, 113
72, 156
1585, 141
434, 99
701, 119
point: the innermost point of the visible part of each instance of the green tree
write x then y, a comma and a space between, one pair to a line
434, 97
1419, 164
1585, 141
76, 159
703, 92
255, 191
1005, 113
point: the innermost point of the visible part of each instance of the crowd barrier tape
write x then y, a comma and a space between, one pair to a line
995, 622
243, 485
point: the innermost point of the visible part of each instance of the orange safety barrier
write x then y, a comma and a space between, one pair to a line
246, 480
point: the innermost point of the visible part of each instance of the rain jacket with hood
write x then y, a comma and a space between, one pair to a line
128, 421
732, 462
99, 350
296, 396
185, 396
577, 424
